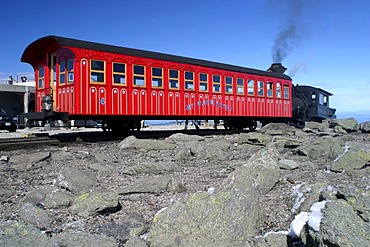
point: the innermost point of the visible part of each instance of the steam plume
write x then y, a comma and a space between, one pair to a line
284, 43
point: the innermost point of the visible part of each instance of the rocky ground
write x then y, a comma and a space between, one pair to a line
278, 186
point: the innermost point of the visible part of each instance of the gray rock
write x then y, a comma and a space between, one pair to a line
321, 147
288, 164
358, 199
95, 203
81, 239
219, 152
338, 129
340, 226
261, 172
146, 144
135, 242
219, 219
180, 137
351, 160
101, 167
76, 180
288, 141
147, 185
38, 195
153, 168
365, 127
272, 240
348, 124
6, 193
4, 158
254, 138
322, 127
61, 155
58, 199
16, 234
133, 225
26, 162
183, 154
35, 216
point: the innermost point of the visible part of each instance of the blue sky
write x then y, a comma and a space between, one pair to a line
327, 41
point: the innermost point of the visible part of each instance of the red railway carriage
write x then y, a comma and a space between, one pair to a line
121, 86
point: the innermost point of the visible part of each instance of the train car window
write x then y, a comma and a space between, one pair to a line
240, 86
189, 80
41, 77
269, 89
261, 91
216, 84
139, 75
250, 87
278, 90
70, 71
119, 73
286, 92
203, 82
228, 84
97, 71
62, 72
323, 100
174, 79
157, 77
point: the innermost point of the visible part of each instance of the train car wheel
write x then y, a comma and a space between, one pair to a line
253, 125
106, 127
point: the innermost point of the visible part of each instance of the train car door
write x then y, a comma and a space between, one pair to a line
53, 79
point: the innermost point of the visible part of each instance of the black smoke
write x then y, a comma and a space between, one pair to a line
291, 13
284, 43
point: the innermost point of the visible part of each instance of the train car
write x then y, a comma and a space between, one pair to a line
81, 80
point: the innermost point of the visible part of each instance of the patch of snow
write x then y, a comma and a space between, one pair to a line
297, 224
211, 190
299, 200
346, 149
161, 210
314, 219
269, 233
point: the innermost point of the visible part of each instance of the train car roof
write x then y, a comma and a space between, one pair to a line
311, 88
33, 51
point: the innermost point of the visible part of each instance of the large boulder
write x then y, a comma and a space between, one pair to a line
321, 147
261, 172
58, 199
76, 180
146, 144
5, 193
153, 185
348, 124
13, 233
29, 161
35, 216
95, 202
147, 167
365, 127
351, 160
133, 225
80, 239
208, 220
254, 138
340, 226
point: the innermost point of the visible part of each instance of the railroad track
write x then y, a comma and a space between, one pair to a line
44, 139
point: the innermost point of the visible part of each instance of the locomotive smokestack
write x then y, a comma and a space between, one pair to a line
277, 68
